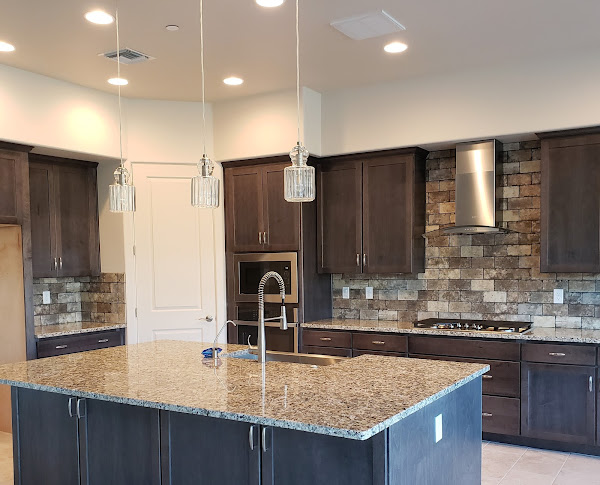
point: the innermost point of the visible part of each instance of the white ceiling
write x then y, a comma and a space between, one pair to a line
257, 44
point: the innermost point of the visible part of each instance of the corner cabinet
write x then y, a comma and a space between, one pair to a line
371, 213
570, 206
64, 217
258, 218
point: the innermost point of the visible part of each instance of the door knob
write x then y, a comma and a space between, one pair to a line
209, 318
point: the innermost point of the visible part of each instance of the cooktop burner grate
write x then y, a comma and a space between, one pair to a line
474, 325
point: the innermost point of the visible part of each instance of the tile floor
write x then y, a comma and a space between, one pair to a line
502, 465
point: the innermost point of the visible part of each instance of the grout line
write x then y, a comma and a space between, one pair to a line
514, 464
563, 465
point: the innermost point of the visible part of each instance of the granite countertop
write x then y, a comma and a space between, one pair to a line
63, 329
573, 335
354, 398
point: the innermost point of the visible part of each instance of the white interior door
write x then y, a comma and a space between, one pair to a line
175, 257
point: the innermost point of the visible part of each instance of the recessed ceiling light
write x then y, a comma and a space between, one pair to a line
395, 47
118, 81
6, 47
172, 28
233, 81
270, 3
99, 17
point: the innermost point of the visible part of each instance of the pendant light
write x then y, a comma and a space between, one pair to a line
299, 179
122, 192
205, 187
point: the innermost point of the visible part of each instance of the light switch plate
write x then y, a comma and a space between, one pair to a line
346, 292
46, 297
438, 428
559, 296
369, 292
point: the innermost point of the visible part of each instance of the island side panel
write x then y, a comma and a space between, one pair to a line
416, 458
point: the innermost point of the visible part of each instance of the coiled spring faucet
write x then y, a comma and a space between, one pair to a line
262, 347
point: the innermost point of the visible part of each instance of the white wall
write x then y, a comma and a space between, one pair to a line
525, 97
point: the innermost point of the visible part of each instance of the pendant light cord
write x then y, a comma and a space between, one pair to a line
298, 65
202, 68
119, 86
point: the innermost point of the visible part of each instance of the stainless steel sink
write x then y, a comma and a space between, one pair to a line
272, 356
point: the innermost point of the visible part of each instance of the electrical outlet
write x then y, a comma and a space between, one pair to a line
46, 297
438, 428
346, 292
559, 296
369, 292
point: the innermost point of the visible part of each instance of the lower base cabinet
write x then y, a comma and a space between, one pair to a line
558, 402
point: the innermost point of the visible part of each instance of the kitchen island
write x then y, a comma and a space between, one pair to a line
158, 413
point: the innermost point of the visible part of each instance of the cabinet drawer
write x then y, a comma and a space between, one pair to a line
460, 347
308, 349
379, 341
560, 354
357, 353
51, 347
327, 339
501, 415
503, 378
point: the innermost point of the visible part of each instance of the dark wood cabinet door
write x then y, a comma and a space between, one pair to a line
43, 220
244, 209
47, 443
119, 444
281, 218
12, 182
76, 204
193, 450
570, 213
388, 208
558, 402
339, 226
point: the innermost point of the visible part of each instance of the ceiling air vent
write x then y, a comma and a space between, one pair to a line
368, 25
128, 56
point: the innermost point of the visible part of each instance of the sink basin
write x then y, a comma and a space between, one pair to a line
308, 359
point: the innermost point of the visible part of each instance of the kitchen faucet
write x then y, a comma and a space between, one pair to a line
262, 347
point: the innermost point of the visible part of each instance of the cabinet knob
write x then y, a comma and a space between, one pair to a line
60, 347
325, 339
485, 376
487, 415
102, 340
378, 342
556, 354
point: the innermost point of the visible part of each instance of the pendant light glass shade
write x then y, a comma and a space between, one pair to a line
299, 179
122, 193
205, 187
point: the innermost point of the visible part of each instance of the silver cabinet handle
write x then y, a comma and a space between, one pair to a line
102, 340
71, 399
259, 237
325, 339
487, 415
80, 412
378, 342
488, 377
251, 437
591, 384
264, 440
60, 347
55, 264
265, 238
60, 263
357, 259
365, 259
556, 354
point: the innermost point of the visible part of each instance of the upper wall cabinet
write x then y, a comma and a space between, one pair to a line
570, 214
13, 184
64, 217
371, 213
258, 218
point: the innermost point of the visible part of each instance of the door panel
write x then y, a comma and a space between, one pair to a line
339, 193
119, 444
47, 439
175, 257
8, 189
388, 199
282, 218
74, 215
43, 222
557, 402
244, 199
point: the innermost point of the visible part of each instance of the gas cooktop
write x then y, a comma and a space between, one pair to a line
474, 325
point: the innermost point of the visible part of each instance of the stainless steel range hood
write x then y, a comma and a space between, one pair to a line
475, 190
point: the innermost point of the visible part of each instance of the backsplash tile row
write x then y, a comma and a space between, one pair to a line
495, 277
80, 299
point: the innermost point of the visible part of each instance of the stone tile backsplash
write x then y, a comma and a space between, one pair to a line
495, 277
80, 299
